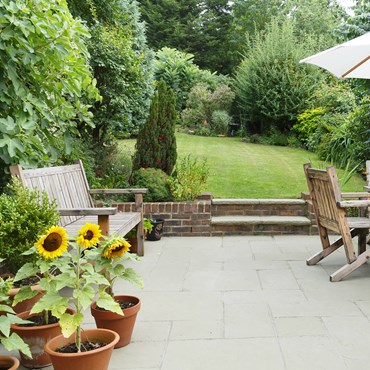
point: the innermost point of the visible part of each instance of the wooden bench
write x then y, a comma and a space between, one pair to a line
329, 207
69, 187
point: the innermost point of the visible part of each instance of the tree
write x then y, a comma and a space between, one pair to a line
44, 80
156, 143
197, 27
180, 73
122, 64
271, 86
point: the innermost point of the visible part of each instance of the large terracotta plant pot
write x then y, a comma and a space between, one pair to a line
97, 359
9, 362
36, 337
123, 325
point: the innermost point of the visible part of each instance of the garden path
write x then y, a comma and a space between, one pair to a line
243, 302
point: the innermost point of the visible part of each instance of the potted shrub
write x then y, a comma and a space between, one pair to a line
108, 258
73, 349
11, 341
24, 215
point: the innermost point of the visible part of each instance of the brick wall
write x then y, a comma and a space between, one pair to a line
181, 218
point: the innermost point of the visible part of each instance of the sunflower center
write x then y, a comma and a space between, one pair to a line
89, 235
52, 242
118, 248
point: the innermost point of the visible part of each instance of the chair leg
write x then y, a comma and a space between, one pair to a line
347, 269
362, 241
325, 252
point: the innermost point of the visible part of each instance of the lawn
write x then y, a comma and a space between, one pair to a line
244, 170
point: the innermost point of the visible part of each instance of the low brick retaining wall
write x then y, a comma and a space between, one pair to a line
181, 218
194, 218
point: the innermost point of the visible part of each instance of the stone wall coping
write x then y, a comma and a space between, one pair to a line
263, 220
259, 201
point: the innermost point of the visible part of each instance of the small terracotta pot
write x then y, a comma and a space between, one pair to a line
97, 359
123, 325
9, 362
36, 337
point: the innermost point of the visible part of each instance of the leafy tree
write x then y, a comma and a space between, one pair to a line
357, 23
197, 27
271, 86
178, 71
44, 75
122, 64
156, 143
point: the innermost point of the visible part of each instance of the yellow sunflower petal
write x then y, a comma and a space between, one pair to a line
53, 243
89, 235
117, 249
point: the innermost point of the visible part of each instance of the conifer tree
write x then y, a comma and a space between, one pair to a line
156, 143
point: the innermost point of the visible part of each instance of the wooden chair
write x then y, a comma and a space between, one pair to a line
329, 208
69, 187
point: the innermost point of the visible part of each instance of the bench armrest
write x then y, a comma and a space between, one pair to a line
99, 211
118, 191
353, 203
356, 195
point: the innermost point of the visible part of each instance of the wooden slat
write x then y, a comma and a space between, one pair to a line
119, 191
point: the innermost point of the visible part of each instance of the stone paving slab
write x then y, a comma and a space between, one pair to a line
245, 302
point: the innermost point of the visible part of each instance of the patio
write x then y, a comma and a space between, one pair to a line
246, 302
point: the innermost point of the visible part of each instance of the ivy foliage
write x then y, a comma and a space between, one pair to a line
44, 78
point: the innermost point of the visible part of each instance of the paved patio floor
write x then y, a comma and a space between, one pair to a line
246, 302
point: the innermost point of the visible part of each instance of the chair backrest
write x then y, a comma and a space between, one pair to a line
325, 193
66, 184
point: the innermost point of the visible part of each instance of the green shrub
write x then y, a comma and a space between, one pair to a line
156, 181
220, 122
189, 178
203, 102
24, 215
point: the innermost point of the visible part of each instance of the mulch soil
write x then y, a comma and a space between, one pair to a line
85, 347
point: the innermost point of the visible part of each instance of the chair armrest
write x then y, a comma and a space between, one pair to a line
356, 195
99, 211
118, 191
353, 203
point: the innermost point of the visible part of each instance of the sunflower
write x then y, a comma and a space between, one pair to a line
116, 249
53, 243
89, 235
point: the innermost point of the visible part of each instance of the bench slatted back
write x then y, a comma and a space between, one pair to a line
66, 184
325, 193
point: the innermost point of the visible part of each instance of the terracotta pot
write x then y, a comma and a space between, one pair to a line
36, 337
97, 359
123, 325
9, 362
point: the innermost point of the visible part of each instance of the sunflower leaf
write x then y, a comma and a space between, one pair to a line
133, 277
24, 293
14, 341
51, 301
69, 323
108, 303
27, 270
85, 296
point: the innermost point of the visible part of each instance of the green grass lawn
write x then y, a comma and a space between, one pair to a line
244, 170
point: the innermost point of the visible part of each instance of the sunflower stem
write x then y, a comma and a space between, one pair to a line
78, 308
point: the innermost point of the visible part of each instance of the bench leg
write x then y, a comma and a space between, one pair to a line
103, 222
140, 239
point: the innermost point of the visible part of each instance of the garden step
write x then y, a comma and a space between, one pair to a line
258, 207
255, 225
